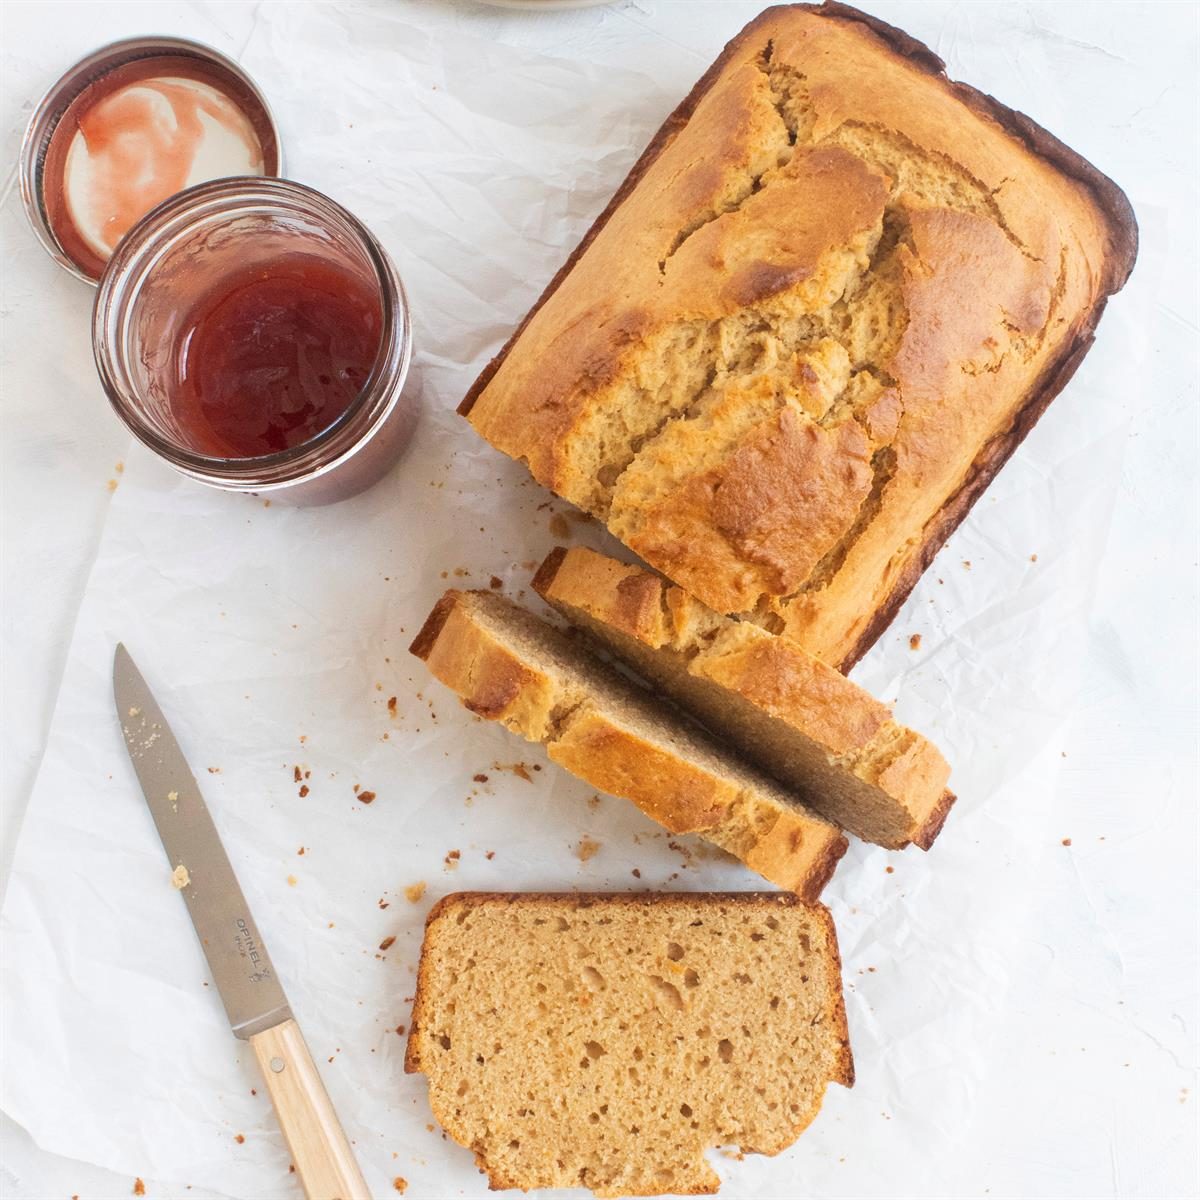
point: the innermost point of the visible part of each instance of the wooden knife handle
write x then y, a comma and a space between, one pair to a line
320, 1149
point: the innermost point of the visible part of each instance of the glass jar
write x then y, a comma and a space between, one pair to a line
181, 251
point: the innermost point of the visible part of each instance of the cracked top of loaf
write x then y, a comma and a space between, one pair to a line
828, 302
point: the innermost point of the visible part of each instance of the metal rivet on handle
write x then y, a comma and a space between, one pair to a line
276, 1065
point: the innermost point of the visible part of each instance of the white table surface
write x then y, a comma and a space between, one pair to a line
1104, 1022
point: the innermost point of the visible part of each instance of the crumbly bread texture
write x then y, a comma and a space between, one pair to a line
783, 709
607, 1041
508, 666
831, 298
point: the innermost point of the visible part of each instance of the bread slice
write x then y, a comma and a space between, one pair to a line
508, 666
607, 1041
784, 709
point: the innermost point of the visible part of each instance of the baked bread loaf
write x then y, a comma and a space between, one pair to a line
783, 709
607, 1041
508, 666
830, 299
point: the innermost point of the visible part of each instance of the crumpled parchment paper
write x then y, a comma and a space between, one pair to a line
276, 639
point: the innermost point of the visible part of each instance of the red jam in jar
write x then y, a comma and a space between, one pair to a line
272, 355
256, 336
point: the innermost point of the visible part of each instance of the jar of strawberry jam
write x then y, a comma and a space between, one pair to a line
255, 335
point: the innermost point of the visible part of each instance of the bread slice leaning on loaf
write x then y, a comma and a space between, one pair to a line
607, 1041
793, 715
508, 666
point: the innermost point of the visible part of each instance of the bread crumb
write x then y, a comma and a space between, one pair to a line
300, 851
292, 881
496, 583
490, 855
914, 641
414, 892
112, 485
180, 877
966, 564
451, 860
303, 790
388, 942
297, 774
480, 778
365, 797
392, 705
636, 873
1033, 558
519, 769
559, 527
400, 1030
400, 1184
214, 770
240, 1138
1066, 841
135, 712
139, 1188
593, 802
890, 870
587, 848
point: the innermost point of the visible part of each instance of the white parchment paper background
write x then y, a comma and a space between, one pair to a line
274, 638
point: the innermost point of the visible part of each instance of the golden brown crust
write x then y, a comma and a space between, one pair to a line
779, 678
933, 826
780, 683
1110, 199
489, 679
983, 470
680, 796
838, 1003
428, 635
743, 812
1010, 245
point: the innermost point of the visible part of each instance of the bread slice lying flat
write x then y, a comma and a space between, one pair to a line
793, 715
607, 1041
508, 666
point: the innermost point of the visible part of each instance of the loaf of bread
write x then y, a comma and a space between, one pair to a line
830, 299
508, 666
783, 709
607, 1041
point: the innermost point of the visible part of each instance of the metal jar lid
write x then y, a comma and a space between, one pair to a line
226, 75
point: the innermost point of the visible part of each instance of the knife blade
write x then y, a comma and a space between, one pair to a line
254, 999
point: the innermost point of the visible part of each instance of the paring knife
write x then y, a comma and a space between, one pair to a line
253, 996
